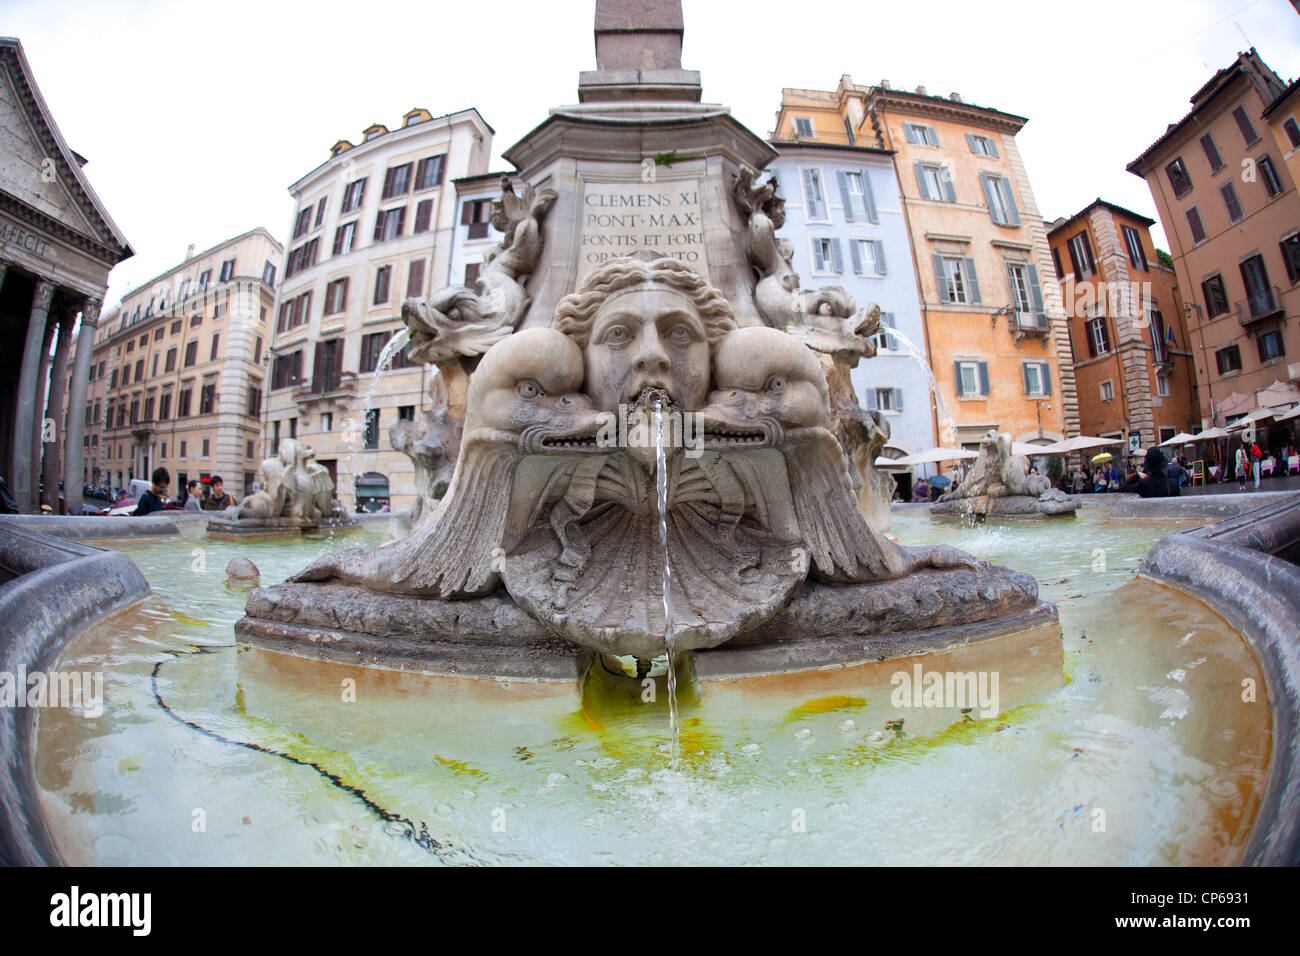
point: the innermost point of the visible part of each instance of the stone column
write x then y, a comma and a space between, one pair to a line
38, 413
72, 457
54, 450
23, 466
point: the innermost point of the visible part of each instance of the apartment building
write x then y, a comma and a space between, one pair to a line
993, 325
177, 375
1227, 198
372, 226
1133, 367
844, 219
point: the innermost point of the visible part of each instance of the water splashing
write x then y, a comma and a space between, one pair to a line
661, 485
355, 438
947, 431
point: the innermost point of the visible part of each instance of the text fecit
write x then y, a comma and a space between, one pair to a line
102, 909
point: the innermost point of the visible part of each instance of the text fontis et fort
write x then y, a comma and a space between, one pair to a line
620, 218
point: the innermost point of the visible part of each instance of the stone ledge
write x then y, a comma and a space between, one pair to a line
93, 527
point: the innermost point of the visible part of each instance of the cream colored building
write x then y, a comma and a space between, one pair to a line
178, 370
373, 225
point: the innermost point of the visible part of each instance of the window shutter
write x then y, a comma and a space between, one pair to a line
844, 194
1047, 378
993, 146
837, 258
379, 226
1056, 263
856, 256
990, 199
970, 141
1092, 341
984, 378
973, 281
880, 255
898, 399
940, 277
1009, 197
956, 371
467, 213
872, 405
1036, 297
1074, 261
869, 197
814, 210
1087, 251
945, 179
920, 181
1024, 372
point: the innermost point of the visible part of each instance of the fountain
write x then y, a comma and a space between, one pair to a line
998, 485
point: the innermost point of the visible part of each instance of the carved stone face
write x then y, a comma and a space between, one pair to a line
647, 337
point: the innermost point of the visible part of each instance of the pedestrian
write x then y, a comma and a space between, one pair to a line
1175, 472
155, 496
1256, 460
1241, 466
194, 496
1156, 483
218, 499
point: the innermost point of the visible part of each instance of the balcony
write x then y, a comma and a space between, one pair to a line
1261, 305
330, 387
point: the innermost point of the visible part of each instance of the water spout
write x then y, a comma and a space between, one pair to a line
947, 432
661, 485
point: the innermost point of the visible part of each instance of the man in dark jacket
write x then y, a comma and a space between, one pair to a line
218, 498
1156, 484
155, 498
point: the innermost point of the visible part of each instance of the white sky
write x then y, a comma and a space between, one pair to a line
196, 117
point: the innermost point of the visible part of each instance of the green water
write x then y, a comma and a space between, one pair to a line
1137, 750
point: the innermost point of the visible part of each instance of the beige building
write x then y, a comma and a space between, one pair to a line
373, 226
1231, 212
177, 378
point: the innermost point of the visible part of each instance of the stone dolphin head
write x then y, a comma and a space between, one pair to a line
766, 382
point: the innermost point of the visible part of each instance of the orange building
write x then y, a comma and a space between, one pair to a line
1133, 367
995, 330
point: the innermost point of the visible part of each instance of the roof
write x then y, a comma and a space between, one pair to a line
1060, 224
110, 244
1286, 96
785, 145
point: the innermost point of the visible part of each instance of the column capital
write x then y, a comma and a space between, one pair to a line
90, 311
43, 295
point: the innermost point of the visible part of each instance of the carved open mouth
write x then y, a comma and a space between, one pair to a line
558, 443
717, 436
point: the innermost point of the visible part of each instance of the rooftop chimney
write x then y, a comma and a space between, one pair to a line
920, 91
189, 252
955, 97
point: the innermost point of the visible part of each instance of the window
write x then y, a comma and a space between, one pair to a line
981, 145
1259, 294
1136, 252
1159, 336
1038, 378
139, 370
415, 278
257, 351
868, 256
1098, 336
183, 403
397, 181
826, 255
1228, 359
1162, 389
207, 398
294, 312
1291, 256
1001, 200
429, 172
184, 449
302, 223
471, 274
1026, 295
164, 406
344, 236
1268, 176
934, 182
286, 370
389, 223
154, 371
303, 257
423, 216
1056, 263
176, 328
920, 135
1107, 391
268, 273
320, 212
112, 381
848, 131
814, 196
353, 195
383, 275
1216, 297
158, 334
1230, 202
207, 446
185, 291
1211, 152
227, 270
885, 399
372, 428
855, 190
1081, 256
406, 413
1270, 345
1178, 178
191, 353
1243, 123
972, 377
1292, 131
1195, 225
336, 296
803, 127
372, 347
216, 341
956, 280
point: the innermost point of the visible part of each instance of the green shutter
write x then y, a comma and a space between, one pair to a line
1036, 297
973, 281
989, 198
939, 277
920, 182
970, 141
836, 258
1047, 378
945, 179
844, 194
880, 255
869, 196
984, 378
898, 399
1024, 372
956, 370
855, 256
1009, 197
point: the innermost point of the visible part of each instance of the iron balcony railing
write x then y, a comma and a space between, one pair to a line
1259, 305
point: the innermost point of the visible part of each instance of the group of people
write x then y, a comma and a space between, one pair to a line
193, 499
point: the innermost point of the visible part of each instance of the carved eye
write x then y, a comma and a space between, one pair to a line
680, 335
617, 335
528, 389
776, 383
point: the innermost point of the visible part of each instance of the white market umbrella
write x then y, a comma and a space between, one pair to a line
1210, 434
1288, 415
933, 455
1182, 438
1080, 443
1031, 451
1258, 415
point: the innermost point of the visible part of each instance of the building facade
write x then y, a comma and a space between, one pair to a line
1231, 212
994, 329
1133, 364
178, 371
844, 220
372, 227
57, 246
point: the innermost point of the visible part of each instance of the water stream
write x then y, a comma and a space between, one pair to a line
357, 445
947, 431
661, 484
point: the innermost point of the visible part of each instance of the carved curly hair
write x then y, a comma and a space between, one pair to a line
576, 312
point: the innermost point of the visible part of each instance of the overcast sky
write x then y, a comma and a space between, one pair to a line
196, 117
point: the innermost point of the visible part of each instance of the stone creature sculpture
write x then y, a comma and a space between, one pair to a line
460, 321
432, 444
291, 484
827, 319
997, 473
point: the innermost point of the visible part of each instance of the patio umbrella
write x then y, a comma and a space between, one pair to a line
1288, 415
1258, 415
935, 455
1080, 443
939, 481
1210, 434
1182, 438
1031, 451
1101, 459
